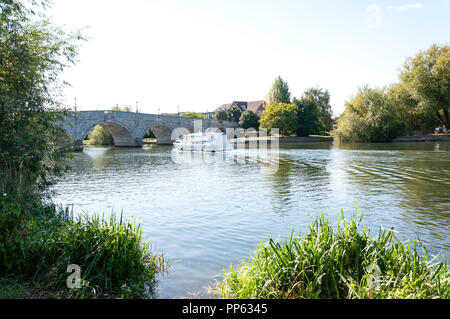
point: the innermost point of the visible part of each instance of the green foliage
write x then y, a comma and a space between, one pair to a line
37, 241
322, 100
32, 56
279, 92
12, 234
149, 134
233, 114
221, 115
249, 119
194, 115
415, 117
341, 263
118, 108
308, 115
112, 256
100, 136
426, 77
369, 117
11, 289
282, 116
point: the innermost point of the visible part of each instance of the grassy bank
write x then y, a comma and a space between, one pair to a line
338, 263
36, 250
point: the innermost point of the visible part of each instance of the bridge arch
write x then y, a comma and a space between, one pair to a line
163, 133
120, 133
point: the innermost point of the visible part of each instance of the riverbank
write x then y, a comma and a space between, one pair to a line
424, 138
316, 139
287, 140
342, 263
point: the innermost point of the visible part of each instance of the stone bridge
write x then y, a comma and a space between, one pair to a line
128, 129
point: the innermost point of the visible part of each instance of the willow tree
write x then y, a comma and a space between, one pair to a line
33, 53
427, 78
370, 116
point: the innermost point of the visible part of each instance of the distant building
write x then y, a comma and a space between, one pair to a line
255, 106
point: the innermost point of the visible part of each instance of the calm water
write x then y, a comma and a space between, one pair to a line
204, 213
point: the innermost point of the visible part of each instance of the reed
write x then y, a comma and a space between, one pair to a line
338, 263
113, 258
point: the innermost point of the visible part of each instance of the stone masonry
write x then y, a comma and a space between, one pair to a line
128, 129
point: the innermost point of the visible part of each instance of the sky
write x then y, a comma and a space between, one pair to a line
200, 54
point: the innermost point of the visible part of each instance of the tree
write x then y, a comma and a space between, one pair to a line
427, 78
369, 117
194, 115
415, 117
308, 116
221, 115
282, 116
233, 114
279, 92
100, 136
32, 56
249, 119
322, 100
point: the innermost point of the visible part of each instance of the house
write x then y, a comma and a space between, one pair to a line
255, 106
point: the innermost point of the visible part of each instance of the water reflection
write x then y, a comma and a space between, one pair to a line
205, 210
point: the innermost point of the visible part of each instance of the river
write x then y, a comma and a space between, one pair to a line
204, 213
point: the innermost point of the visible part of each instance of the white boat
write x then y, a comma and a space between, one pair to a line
203, 142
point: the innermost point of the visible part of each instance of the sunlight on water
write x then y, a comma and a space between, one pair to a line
204, 211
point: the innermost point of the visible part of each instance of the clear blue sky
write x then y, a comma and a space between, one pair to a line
199, 54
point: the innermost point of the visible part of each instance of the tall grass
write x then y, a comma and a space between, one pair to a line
113, 258
338, 263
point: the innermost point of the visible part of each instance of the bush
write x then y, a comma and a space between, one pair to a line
342, 263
